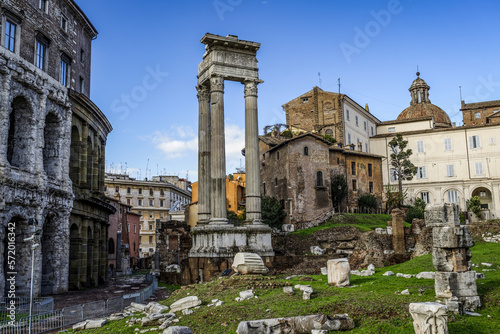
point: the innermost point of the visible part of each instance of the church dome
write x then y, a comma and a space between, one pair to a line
421, 106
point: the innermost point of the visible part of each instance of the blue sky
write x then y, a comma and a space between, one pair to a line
146, 56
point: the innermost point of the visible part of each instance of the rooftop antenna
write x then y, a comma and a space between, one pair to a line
147, 165
187, 175
418, 73
319, 78
126, 168
460, 88
339, 86
157, 173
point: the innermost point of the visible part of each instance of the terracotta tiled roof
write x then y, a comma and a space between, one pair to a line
485, 104
420, 110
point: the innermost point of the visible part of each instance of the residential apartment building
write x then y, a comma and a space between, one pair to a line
454, 163
306, 165
151, 199
337, 115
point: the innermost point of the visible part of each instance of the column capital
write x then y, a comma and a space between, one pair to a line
203, 93
217, 83
251, 86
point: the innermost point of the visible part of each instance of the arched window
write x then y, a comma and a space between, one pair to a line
329, 132
111, 246
51, 134
19, 137
319, 179
306, 150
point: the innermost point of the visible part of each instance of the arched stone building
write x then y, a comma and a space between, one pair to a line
44, 94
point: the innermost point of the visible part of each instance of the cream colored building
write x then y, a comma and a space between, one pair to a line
454, 163
152, 199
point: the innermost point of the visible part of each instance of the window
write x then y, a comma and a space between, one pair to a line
392, 129
357, 121
479, 168
140, 191
139, 202
150, 202
425, 197
420, 147
150, 191
370, 187
161, 203
477, 115
128, 201
44, 6
353, 168
372, 131
319, 179
394, 174
447, 144
305, 99
366, 147
81, 84
474, 142
150, 239
64, 23
150, 227
354, 185
421, 172
347, 114
370, 170
452, 196
41, 49
482, 193
278, 155
65, 61
306, 150
10, 35
128, 190
349, 139
162, 192
365, 125
82, 56
117, 189
450, 171
276, 181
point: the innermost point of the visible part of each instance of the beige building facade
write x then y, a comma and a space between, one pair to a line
454, 163
151, 199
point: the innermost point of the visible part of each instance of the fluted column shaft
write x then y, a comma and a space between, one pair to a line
218, 149
203, 154
253, 199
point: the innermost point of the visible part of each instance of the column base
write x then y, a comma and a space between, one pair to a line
225, 240
219, 221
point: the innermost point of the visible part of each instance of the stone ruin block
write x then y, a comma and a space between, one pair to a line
249, 263
339, 272
429, 318
455, 284
398, 231
452, 237
296, 325
440, 215
451, 260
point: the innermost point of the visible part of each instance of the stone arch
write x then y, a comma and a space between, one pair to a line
111, 246
445, 196
52, 134
90, 165
329, 132
74, 256
432, 195
485, 196
75, 151
19, 140
90, 252
319, 179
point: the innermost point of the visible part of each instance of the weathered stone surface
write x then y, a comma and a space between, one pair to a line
405, 292
154, 307
398, 234
95, 323
178, 330
303, 287
187, 302
339, 272
138, 307
315, 250
388, 273
247, 294
370, 267
249, 263
426, 275
80, 326
461, 285
187, 311
306, 295
452, 237
324, 270
289, 290
296, 325
429, 318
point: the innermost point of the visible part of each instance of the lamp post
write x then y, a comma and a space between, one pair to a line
34, 245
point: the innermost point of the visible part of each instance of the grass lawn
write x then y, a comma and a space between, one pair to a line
370, 301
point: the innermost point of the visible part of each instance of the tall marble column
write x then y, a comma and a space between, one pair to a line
252, 164
218, 149
204, 155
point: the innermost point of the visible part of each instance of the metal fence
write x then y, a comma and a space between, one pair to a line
22, 305
46, 321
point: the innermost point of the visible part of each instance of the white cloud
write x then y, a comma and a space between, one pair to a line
172, 147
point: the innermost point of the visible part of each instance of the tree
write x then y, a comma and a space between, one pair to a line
404, 169
338, 190
272, 212
475, 206
368, 201
416, 211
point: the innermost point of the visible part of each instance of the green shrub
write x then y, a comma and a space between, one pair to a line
367, 201
273, 213
287, 134
475, 206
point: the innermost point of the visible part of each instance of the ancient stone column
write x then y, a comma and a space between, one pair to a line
339, 272
83, 153
429, 318
252, 163
398, 231
218, 149
203, 155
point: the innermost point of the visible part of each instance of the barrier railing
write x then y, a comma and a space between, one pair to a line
50, 320
22, 305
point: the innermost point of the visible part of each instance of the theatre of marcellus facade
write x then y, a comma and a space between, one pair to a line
52, 149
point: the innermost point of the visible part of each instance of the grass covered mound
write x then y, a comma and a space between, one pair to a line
363, 222
371, 301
